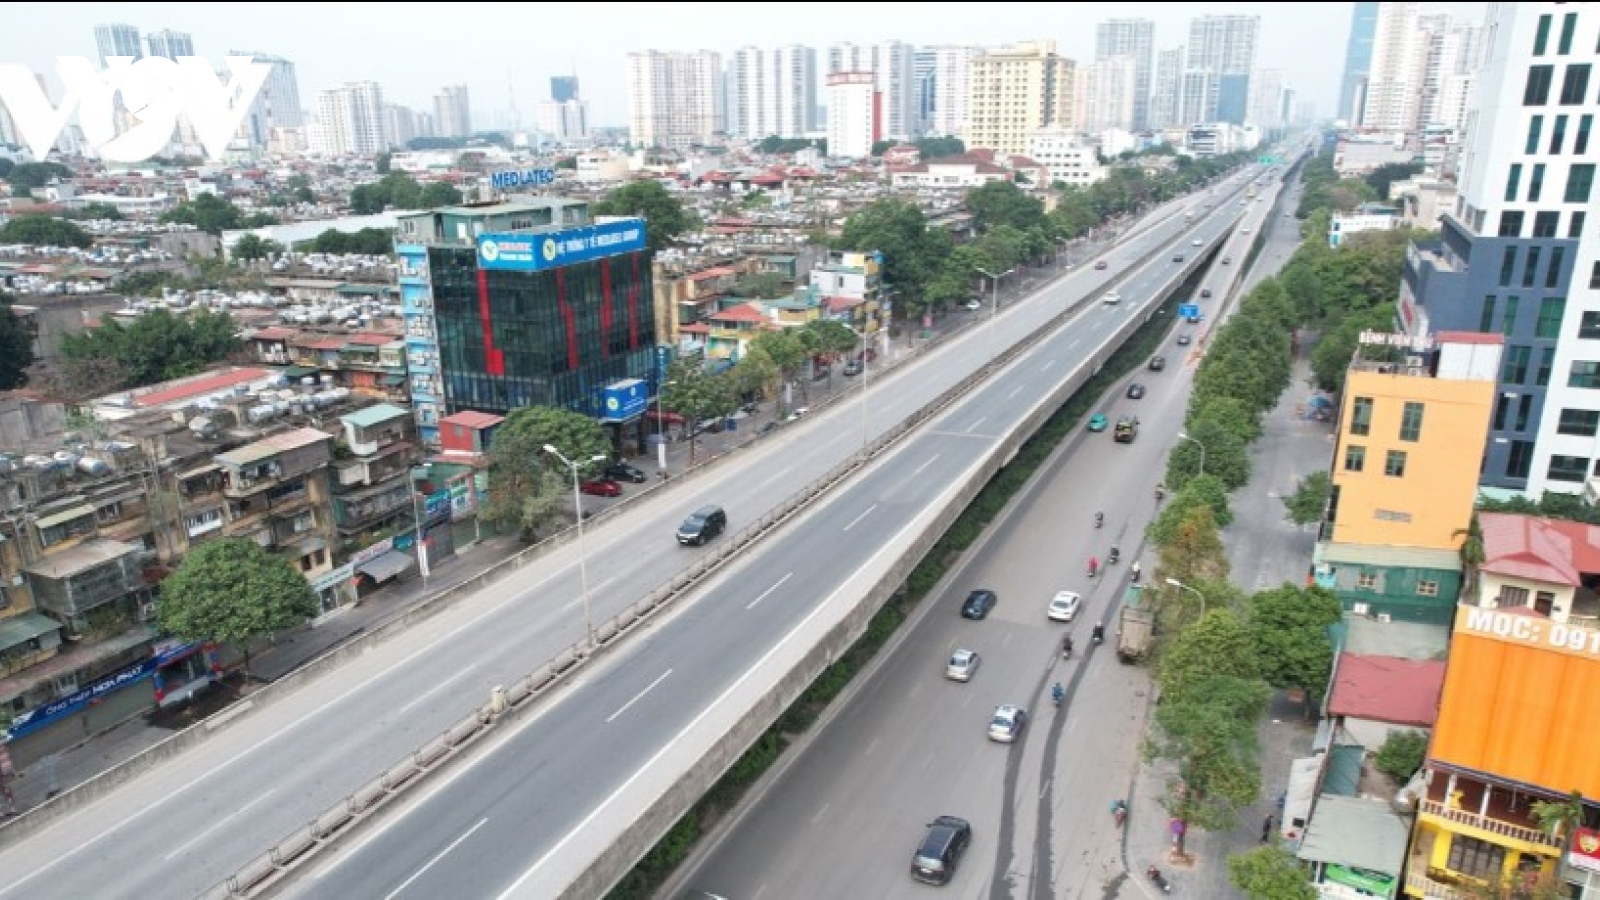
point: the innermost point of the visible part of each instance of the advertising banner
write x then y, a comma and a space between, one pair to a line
625, 399
532, 252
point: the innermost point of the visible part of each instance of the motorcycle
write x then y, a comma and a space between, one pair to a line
1113, 556
1154, 874
1119, 812
1057, 693
1066, 648
1161, 492
1094, 567
1098, 635
1136, 572
1099, 520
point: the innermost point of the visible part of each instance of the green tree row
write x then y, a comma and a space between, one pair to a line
214, 215
398, 190
157, 346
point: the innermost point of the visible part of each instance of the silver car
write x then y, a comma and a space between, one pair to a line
963, 663
1007, 723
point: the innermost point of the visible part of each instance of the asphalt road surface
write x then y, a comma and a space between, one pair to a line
843, 819
191, 821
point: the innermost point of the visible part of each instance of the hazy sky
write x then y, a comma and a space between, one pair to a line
413, 49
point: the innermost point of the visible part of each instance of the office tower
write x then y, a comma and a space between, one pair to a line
949, 86
892, 64
922, 76
117, 40
674, 98
1165, 87
1267, 92
1134, 39
771, 92
1015, 91
1357, 60
854, 114
1516, 257
278, 104
452, 112
1394, 81
351, 121
564, 88
1216, 83
170, 44
1108, 94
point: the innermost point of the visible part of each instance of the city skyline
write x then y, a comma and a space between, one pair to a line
496, 68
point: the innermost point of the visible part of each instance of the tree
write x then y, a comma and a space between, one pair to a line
938, 147
439, 193
1219, 644
663, 214
1231, 413
911, 253
1309, 502
380, 164
1270, 873
1472, 552
786, 352
1331, 357
99, 211
828, 336
1402, 754
252, 246
36, 174
526, 481
1209, 731
1195, 552
697, 394
366, 242
1222, 453
999, 203
762, 285
214, 215
158, 345
233, 591
1206, 490
1382, 177
16, 346
45, 231
1291, 628
772, 144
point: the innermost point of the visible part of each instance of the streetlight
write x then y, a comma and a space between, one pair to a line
1182, 436
661, 423
416, 521
994, 293
1184, 587
583, 562
864, 366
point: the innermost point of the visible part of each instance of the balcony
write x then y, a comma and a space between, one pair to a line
1506, 823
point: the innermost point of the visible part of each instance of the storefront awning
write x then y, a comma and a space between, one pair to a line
19, 630
382, 568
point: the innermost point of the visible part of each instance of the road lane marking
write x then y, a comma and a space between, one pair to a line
593, 589
779, 584
1044, 789
1047, 364
857, 519
779, 474
637, 697
1015, 391
872, 746
423, 697
975, 425
419, 873
926, 464
818, 817
1074, 343
184, 847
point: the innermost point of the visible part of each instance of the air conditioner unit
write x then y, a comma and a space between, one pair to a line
1360, 609
1413, 362
1383, 617
147, 611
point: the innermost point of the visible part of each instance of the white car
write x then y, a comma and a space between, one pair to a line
1244, 231
972, 305
1197, 242
1111, 298
1007, 723
963, 664
1064, 606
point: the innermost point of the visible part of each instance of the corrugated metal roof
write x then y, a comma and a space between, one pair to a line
266, 448
1378, 555
1350, 831
1385, 689
1342, 777
376, 414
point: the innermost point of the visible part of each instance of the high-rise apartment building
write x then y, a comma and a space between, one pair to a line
1165, 87
1108, 92
1394, 81
1216, 83
892, 64
170, 44
1357, 60
1268, 91
452, 112
772, 92
351, 121
855, 114
117, 40
400, 124
1453, 51
1016, 91
948, 86
674, 98
564, 88
922, 76
565, 116
278, 104
1516, 256
1133, 39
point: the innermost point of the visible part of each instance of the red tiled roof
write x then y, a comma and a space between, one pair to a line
199, 387
273, 333
744, 312
695, 328
713, 272
734, 220
730, 229
1554, 551
840, 304
317, 342
766, 179
472, 419
1387, 689
1023, 162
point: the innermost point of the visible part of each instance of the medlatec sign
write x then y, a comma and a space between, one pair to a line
505, 181
540, 252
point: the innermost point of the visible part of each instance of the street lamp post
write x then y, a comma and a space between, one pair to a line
416, 521
1183, 436
661, 424
994, 294
583, 561
1184, 587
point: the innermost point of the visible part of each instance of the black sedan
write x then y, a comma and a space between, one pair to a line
978, 604
621, 471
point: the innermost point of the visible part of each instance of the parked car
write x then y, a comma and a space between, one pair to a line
1007, 724
852, 368
621, 471
601, 487
963, 665
972, 305
978, 604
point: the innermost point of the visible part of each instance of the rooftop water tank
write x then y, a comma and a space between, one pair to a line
91, 466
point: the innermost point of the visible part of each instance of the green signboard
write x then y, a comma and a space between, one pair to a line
1365, 880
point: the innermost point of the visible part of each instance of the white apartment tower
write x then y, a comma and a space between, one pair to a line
278, 104
1394, 80
1016, 91
351, 121
674, 99
1165, 86
170, 44
772, 92
1133, 39
949, 84
452, 112
855, 114
1268, 90
1222, 55
400, 124
1452, 54
1109, 95
893, 64
116, 40
1519, 256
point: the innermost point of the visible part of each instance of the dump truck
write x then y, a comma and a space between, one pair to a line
1136, 625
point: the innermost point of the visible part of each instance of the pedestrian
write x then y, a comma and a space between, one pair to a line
1266, 828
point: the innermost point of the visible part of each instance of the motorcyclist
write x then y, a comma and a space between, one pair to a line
1161, 491
1058, 693
1119, 810
1136, 571
1066, 646
1094, 565
1114, 555
1099, 519
1099, 633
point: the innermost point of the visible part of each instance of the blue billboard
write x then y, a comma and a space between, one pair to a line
625, 399
504, 181
515, 252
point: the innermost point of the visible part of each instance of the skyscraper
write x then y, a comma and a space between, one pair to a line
452, 112
117, 40
771, 92
351, 121
674, 98
950, 77
1357, 59
891, 63
1453, 53
564, 88
1394, 80
1016, 91
1222, 54
170, 44
278, 104
1165, 87
1134, 39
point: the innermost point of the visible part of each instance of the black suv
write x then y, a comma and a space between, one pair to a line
702, 525
940, 851
978, 604
621, 471
1157, 363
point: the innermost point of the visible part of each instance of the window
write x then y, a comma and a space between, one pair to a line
1545, 223
1394, 464
1361, 416
1535, 128
1530, 269
1511, 597
1575, 85
1514, 367
1558, 135
1579, 422
1536, 183
1594, 277
1575, 225
1584, 375
1537, 91
1508, 265
1486, 318
1427, 588
1520, 461
1580, 144
1524, 411
1552, 276
1541, 38
1551, 311
1511, 221
1547, 363
1355, 458
1589, 325
1411, 422
1569, 24
1478, 859
1509, 322
1366, 581
1580, 178
1502, 408
1568, 468
1513, 179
